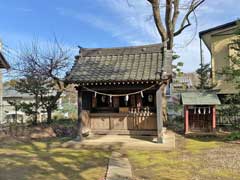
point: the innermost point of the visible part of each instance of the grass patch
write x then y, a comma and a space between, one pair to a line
199, 158
46, 160
196, 146
159, 165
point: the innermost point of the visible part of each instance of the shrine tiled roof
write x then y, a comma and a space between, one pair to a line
137, 63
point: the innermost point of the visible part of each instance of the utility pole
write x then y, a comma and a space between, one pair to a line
201, 53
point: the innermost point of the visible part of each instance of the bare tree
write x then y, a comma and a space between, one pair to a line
46, 65
55, 63
168, 28
167, 22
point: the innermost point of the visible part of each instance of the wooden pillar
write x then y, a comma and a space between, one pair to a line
186, 119
214, 118
94, 101
79, 122
159, 116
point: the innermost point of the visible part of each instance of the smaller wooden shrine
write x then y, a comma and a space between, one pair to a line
199, 111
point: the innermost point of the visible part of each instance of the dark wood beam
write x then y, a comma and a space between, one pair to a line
79, 122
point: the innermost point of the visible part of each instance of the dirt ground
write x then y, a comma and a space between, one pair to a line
199, 158
118, 142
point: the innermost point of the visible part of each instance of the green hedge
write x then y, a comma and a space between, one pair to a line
234, 136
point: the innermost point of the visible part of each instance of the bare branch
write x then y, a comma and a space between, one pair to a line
168, 16
186, 22
175, 13
168, 22
157, 19
46, 65
150, 1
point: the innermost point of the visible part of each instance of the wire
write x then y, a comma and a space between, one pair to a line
195, 30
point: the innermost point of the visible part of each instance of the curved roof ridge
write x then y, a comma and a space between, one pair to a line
119, 64
121, 50
121, 47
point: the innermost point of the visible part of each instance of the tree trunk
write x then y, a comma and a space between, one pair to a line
49, 115
52, 105
167, 29
16, 114
36, 111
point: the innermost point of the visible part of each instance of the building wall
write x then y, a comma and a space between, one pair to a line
220, 54
59, 113
1, 97
7, 108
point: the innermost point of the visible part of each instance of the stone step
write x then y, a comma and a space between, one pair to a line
119, 168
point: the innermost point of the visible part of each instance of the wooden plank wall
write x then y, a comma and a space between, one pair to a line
116, 121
